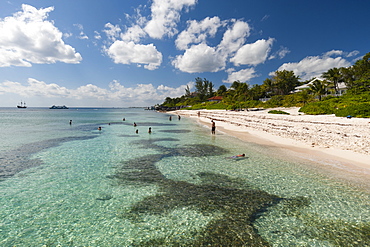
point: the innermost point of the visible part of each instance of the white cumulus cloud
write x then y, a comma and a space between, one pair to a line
234, 37
202, 57
112, 31
243, 75
34, 88
129, 52
126, 46
116, 93
333, 53
134, 33
281, 53
199, 58
253, 54
314, 66
28, 37
197, 32
353, 53
165, 16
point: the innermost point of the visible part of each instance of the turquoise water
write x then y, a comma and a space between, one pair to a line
73, 185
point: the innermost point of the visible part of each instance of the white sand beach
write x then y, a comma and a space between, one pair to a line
325, 138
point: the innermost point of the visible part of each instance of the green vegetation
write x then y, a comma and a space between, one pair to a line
318, 97
349, 104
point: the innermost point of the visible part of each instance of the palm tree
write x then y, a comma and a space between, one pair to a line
318, 88
240, 90
268, 86
334, 76
221, 90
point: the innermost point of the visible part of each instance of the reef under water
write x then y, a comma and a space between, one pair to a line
236, 204
19, 159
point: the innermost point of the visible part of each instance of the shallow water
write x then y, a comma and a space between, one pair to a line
73, 185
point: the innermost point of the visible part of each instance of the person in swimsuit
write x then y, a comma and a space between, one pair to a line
236, 156
213, 127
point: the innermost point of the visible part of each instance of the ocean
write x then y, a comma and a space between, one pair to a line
72, 184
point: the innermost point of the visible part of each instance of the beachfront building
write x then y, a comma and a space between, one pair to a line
215, 99
342, 88
306, 86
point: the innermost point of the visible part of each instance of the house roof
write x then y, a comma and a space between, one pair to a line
306, 86
215, 98
341, 85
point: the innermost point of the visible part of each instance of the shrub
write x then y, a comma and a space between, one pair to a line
217, 106
317, 108
355, 110
196, 107
354, 105
275, 101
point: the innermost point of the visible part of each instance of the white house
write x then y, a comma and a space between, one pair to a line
342, 88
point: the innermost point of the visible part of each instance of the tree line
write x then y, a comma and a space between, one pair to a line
278, 90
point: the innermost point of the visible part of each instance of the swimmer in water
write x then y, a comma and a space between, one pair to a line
236, 156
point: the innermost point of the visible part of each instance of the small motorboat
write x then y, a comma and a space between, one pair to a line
58, 107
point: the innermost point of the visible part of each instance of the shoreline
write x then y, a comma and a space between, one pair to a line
303, 136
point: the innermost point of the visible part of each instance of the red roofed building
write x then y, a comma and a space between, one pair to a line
215, 99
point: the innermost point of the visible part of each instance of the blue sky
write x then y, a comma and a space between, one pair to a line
136, 53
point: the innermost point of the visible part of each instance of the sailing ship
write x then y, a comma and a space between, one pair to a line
22, 105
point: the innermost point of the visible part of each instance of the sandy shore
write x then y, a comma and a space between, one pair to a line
334, 141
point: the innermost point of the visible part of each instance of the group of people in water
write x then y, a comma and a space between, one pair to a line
178, 117
213, 131
213, 125
137, 130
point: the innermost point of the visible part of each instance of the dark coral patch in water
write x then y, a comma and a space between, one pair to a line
154, 140
239, 207
199, 150
194, 150
104, 197
235, 205
19, 159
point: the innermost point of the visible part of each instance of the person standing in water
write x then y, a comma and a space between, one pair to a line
213, 131
150, 130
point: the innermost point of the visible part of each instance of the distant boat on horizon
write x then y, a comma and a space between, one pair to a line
22, 105
58, 107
